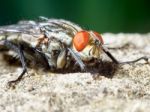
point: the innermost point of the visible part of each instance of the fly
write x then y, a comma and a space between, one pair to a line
55, 43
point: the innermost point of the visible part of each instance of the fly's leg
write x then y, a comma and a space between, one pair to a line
77, 58
17, 49
127, 62
110, 55
136, 60
22, 59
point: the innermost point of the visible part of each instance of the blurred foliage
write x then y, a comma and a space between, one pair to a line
100, 15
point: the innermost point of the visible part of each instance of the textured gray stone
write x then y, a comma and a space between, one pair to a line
128, 90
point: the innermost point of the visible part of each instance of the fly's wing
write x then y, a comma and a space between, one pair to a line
24, 31
26, 27
34, 27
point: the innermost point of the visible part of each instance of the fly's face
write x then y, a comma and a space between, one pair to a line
88, 45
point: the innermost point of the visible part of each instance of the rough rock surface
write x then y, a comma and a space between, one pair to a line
127, 90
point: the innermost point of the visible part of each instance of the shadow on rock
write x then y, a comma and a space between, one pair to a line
101, 68
105, 68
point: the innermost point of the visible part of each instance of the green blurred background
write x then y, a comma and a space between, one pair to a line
100, 15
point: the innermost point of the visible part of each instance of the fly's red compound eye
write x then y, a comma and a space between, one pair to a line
99, 37
80, 40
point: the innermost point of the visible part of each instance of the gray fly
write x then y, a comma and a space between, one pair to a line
55, 43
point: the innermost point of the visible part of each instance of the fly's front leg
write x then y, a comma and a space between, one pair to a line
17, 49
136, 60
78, 60
127, 62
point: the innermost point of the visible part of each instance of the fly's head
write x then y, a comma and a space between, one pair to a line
88, 45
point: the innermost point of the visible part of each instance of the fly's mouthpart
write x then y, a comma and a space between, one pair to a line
95, 52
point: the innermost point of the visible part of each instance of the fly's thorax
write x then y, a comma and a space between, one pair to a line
54, 46
61, 36
65, 25
51, 47
60, 29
